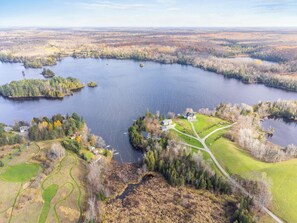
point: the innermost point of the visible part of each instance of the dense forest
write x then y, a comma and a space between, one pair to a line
8, 138
55, 127
56, 87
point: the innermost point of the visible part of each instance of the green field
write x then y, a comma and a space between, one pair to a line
283, 175
187, 139
206, 124
20, 172
47, 195
184, 126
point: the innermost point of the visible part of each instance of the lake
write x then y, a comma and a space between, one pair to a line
126, 91
285, 132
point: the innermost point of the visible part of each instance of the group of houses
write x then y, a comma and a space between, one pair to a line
22, 129
168, 124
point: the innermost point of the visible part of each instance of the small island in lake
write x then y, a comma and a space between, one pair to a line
92, 84
47, 73
56, 88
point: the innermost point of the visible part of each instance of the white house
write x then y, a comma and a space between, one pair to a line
24, 128
8, 129
190, 116
167, 122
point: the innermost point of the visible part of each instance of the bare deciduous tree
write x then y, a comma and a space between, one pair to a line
56, 151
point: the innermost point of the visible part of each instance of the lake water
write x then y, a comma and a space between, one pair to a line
285, 132
126, 91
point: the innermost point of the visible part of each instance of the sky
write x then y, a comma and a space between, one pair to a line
154, 13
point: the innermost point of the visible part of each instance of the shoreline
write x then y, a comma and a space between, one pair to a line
258, 80
24, 98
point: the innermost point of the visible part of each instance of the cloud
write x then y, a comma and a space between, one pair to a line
274, 5
112, 5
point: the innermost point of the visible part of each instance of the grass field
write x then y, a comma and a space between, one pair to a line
184, 126
187, 139
283, 175
206, 124
47, 195
20, 172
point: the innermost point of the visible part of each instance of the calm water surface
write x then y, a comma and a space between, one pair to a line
126, 91
285, 132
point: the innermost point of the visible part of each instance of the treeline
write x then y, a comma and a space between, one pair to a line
246, 71
185, 169
30, 62
56, 127
135, 137
214, 60
8, 138
57, 87
281, 109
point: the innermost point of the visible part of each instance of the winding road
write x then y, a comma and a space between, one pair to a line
223, 171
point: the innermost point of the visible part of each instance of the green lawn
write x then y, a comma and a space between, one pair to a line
214, 137
47, 195
206, 124
184, 126
20, 173
283, 175
187, 139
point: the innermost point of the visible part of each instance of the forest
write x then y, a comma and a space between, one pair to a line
57, 126
56, 87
